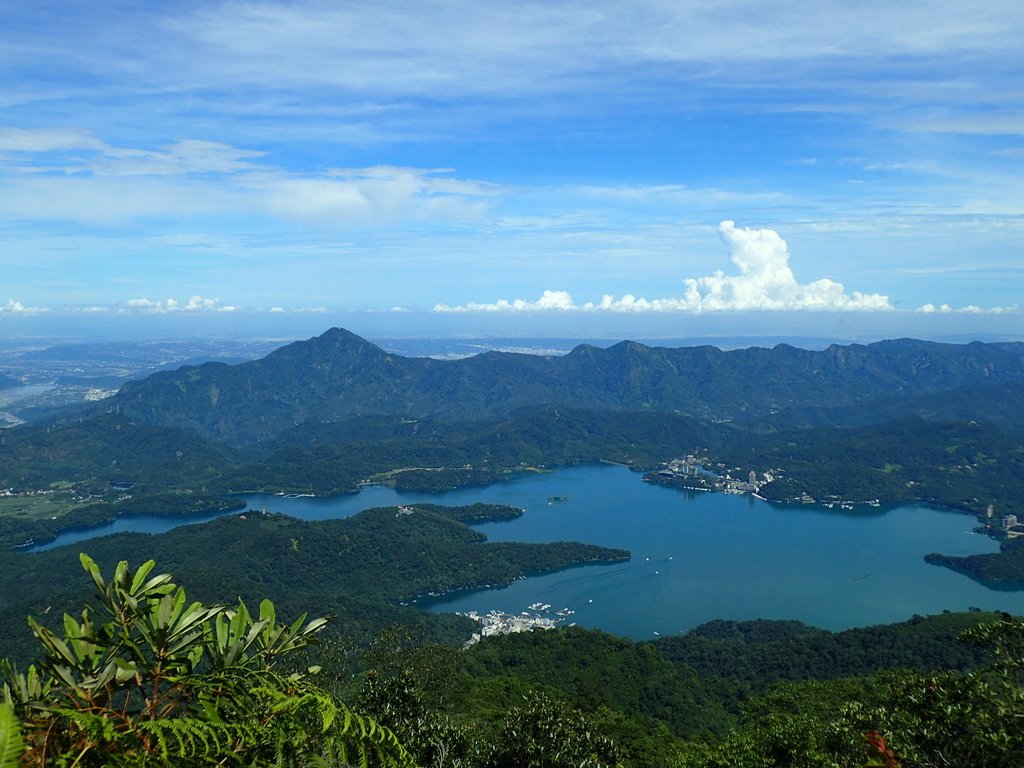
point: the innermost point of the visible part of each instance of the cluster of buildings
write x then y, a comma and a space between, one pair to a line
497, 623
688, 473
93, 395
34, 492
752, 484
687, 467
1009, 524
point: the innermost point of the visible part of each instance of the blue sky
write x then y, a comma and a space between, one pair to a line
676, 167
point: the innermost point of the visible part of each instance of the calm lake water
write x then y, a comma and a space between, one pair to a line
696, 556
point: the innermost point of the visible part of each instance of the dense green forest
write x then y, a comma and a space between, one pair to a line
743, 658
542, 437
360, 568
145, 677
998, 403
961, 465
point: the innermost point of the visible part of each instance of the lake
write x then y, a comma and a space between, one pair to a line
696, 556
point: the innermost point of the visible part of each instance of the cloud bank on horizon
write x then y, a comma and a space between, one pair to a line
194, 304
765, 283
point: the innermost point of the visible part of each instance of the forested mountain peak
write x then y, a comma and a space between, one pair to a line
338, 375
335, 345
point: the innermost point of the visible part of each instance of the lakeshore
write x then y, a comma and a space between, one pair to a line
696, 556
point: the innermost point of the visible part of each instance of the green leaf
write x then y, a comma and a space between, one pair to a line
94, 697
93, 570
56, 649
125, 670
121, 574
141, 574
268, 612
11, 742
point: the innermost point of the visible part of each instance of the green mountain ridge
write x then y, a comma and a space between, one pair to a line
339, 375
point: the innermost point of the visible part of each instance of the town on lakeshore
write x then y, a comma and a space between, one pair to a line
690, 473
538, 616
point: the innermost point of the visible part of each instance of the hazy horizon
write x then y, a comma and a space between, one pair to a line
771, 327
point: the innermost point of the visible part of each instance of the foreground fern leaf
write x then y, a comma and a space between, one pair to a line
11, 744
154, 680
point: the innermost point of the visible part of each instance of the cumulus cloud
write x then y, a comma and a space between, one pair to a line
548, 300
765, 282
200, 305
17, 308
142, 306
194, 304
296, 310
970, 309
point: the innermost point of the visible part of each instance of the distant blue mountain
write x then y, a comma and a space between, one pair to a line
339, 375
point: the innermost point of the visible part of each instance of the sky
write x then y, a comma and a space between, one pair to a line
589, 168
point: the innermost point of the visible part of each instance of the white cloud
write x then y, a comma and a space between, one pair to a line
678, 195
765, 282
66, 174
49, 147
549, 300
446, 47
194, 304
354, 65
970, 309
47, 140
277, 310
189, 156
142, 306
378, 194
17, 308
197, 305
999, 124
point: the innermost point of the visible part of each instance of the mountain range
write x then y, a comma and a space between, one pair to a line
338, 375
902, 420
